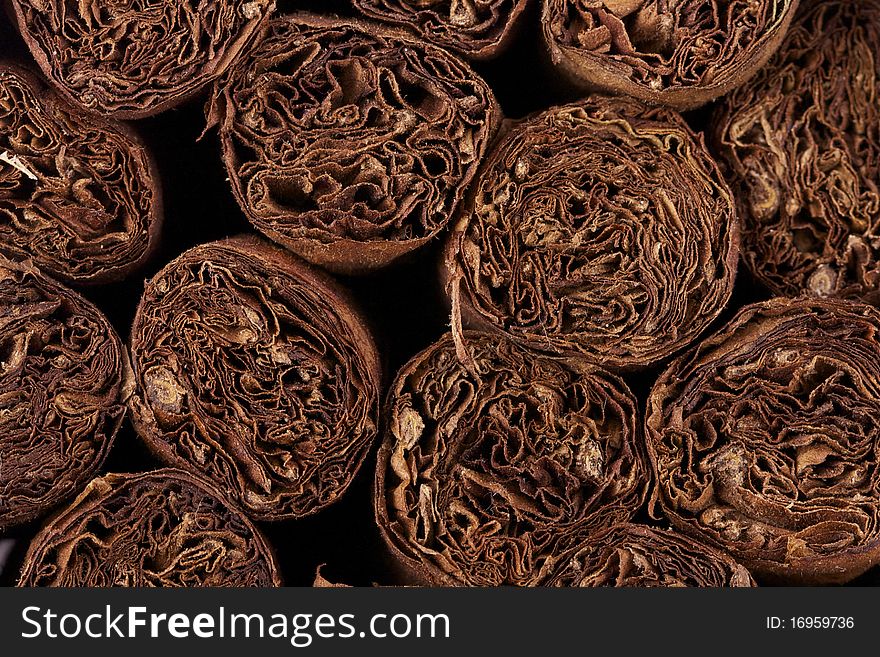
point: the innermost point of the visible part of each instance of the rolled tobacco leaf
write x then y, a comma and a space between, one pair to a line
630, 555
765, 440
132, 58
256, 371
493, 477
64, 382
348, 144
164, 528
475, 29
678, 53
78, 195
802, 145
601, 229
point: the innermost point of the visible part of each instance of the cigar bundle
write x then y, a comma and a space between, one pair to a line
440, 292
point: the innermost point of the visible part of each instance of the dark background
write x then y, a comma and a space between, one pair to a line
404, 303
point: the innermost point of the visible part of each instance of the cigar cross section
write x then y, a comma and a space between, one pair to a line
601, 229
677, 53
64, 383
255, 371
493, 477
801, 145
79, 195
134, 58
348, 143
164, 528
765, 442
630, 555
474, 29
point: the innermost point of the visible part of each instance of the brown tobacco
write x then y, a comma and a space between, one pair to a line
64, 382
78, 195
765, 440
475, 29
349, 144
802, 144
492, 477
678, 53
255, 370
132, 58
637, 556
164, 528
600, 229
